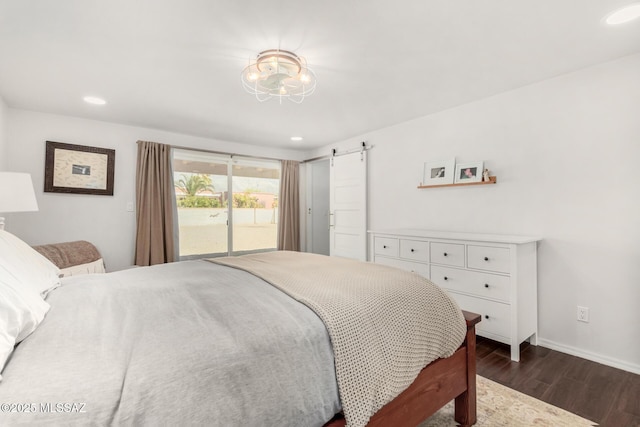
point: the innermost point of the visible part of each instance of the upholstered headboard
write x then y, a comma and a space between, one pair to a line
73, 258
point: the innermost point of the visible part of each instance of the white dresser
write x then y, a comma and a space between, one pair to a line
489, 274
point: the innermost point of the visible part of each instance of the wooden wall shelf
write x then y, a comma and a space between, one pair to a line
492, 180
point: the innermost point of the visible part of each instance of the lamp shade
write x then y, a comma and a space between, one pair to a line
16, 193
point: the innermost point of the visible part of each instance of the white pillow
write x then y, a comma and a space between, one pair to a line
21, 311
27, 265
93, 267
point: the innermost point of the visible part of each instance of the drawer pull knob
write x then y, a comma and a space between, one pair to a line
446, 278
486, 285
445, 254
384, 246
486, 316
412, 250
486, 258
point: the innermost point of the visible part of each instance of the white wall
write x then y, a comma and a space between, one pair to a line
565, 152
3, 135
102, 220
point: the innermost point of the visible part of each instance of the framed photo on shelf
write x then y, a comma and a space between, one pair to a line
78, 169
439, 172
469, 172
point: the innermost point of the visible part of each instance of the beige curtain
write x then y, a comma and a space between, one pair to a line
289, 207
156, 242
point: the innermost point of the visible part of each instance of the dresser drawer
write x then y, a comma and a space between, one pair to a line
488, 258
472, 282
414, 250
386, 246
447, 253
415, 267
495, 315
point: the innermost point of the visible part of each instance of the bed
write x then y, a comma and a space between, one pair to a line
213, 343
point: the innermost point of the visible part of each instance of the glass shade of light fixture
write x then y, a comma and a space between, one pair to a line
278, 73
16, 194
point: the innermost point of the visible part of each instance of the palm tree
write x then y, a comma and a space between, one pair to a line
194, 184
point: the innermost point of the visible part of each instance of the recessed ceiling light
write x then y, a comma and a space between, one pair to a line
625, 14
296, 138
94, 100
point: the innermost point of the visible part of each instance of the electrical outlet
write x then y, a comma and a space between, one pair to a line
583, 314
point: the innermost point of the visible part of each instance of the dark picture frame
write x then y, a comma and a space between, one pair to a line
79, 169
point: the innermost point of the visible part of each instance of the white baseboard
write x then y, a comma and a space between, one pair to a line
605, 360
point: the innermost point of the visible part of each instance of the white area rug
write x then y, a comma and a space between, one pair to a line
500, 406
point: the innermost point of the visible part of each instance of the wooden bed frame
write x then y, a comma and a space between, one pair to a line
437, 384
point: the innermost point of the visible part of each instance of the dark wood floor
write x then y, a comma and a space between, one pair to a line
605, 395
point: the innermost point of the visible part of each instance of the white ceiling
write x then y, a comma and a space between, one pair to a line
175, 64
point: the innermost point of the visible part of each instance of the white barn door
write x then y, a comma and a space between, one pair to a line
348, 206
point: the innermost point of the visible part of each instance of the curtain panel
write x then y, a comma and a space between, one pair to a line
156, 242
289, 207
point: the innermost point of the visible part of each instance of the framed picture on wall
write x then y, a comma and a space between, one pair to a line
469, 172
78, 169
439, 172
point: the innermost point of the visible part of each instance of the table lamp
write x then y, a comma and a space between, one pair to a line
16, 194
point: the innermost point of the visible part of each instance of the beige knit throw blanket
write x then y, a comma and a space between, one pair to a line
385, 324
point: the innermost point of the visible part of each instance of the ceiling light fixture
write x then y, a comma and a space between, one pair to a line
279, 73
625, 14
94, 100
296, 138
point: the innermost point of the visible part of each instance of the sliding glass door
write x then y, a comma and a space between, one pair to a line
226, 205
201, 187
255, 184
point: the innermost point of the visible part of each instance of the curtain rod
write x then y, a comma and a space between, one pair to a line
334, 153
